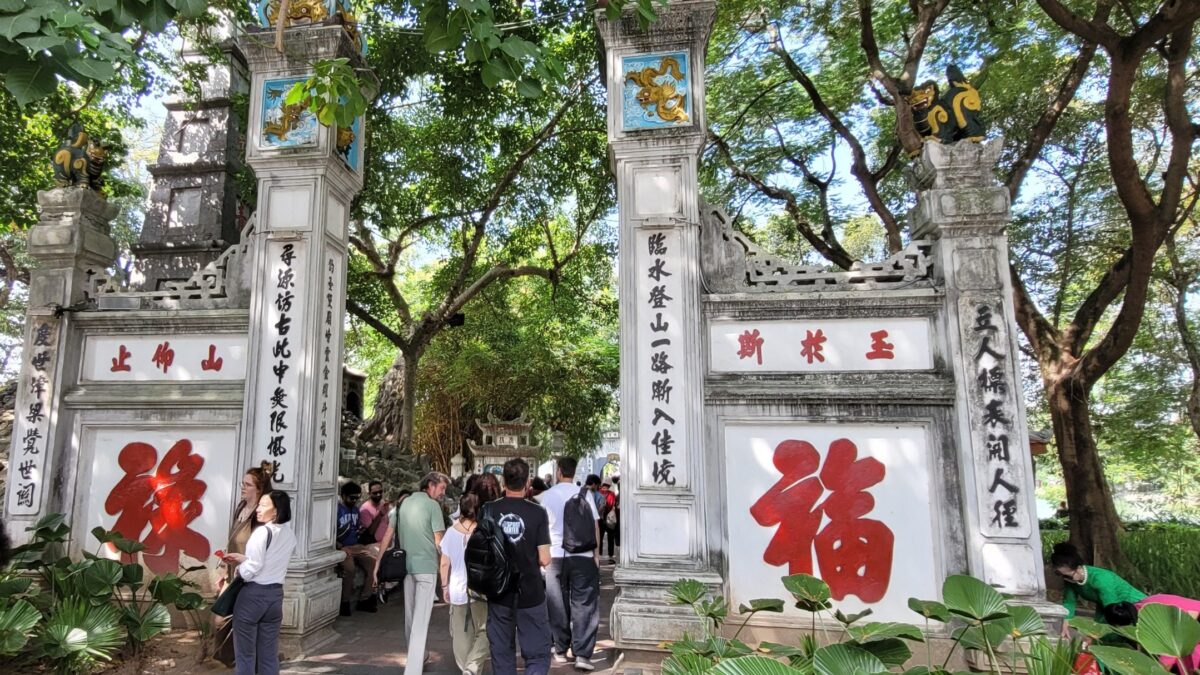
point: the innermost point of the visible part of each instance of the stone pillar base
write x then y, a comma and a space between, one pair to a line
641, 618
311, 595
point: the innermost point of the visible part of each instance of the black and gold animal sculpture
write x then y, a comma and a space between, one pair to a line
79, 161
659, 97
949, 117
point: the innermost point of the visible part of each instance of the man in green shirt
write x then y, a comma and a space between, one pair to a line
420, 523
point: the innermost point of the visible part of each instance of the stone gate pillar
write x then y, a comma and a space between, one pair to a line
307, 176
69, 244
964, 208
656, 130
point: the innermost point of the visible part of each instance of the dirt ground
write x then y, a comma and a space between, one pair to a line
176, 652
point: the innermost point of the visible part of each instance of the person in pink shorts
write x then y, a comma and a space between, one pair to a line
1124, 614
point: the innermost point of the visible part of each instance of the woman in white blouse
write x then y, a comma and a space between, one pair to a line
258, 611
468, 616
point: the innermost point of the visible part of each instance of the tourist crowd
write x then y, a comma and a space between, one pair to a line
518, 563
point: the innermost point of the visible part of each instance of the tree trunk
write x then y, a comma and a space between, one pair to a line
387, 420
1094, 522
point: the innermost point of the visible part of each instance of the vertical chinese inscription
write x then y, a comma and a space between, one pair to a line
32, 423
329, 359
282, 349
661, 387
991, 398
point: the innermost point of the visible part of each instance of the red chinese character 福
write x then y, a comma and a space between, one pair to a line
812, 346
212, 362
750, 344
880, 347
854, 553
166, 500
164, 356
119, 364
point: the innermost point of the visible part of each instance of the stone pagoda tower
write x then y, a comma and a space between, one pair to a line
194, 212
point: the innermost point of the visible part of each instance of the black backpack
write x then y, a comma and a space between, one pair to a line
491, 571
579, 527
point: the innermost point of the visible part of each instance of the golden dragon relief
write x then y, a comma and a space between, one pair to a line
661, 97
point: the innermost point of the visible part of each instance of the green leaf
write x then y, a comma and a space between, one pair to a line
811, 594
14, 586
884, 630
519, 48
1167, 631
1023, 621
970, 598
132, 574
28, 82
686, 664
753, 665
187, 601
190, 8
846, 620
155, 619
1123, 661
930, 609
846, 659
529, 87
1089, 628
129, 546
438, 39
37, 43
14, 25
761, 605
893, 652
11, 5
776, 649
687, 591
16, 625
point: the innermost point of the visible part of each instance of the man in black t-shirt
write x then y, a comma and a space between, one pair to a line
521, 613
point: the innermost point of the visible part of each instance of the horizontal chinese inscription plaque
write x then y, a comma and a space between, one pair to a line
820, 345
164, 358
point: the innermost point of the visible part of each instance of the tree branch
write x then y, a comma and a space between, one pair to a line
858, 168
1090, 31
379, 326
1049, 118
836, 255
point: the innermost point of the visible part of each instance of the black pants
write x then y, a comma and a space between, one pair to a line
573, 600
530, 626
257, 616
613, 534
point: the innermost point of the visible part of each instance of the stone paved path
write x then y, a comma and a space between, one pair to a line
373, 644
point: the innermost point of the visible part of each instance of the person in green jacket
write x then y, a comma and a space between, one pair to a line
1095, 584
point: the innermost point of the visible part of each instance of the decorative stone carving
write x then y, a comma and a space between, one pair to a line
222, 284
731, 263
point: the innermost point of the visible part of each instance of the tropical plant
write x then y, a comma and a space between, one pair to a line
73, 614
1006, 635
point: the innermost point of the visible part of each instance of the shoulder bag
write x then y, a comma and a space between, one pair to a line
223, 605
394, 565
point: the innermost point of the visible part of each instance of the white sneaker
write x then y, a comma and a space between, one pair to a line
559, 657
584, 664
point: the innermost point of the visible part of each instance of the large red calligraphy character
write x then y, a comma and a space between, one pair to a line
789, 504
167, 500
854, 553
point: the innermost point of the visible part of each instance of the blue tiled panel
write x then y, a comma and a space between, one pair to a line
282, 128
657, 91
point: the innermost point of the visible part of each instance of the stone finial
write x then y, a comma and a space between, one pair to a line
957, 189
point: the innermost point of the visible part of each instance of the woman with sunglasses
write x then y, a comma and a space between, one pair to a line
1095, 584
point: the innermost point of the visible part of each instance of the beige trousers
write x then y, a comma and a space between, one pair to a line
468, 631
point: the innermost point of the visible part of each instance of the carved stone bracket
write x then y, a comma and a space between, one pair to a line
731, 263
